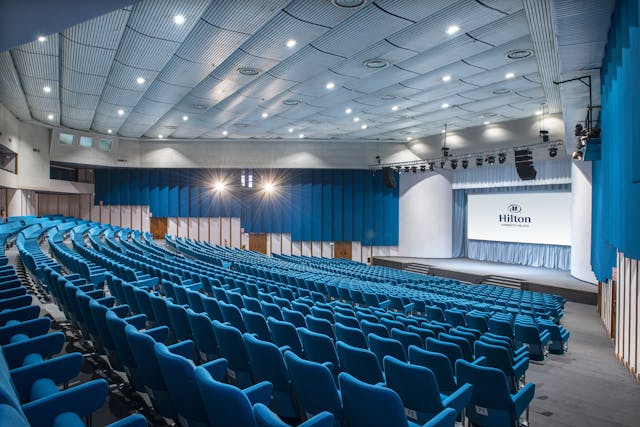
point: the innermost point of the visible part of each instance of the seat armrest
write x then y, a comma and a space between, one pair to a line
82, 400
45, 345
480, 361
139, 321
121, 310
159, 333
329, 365
21, 314
521, 367
459, 399
323, 419
135, 420
109, 301
30, 328
58, 370
384, 304
216, 368
259, 393
447, 417
183, 348
284, 349
522, 398
96, 294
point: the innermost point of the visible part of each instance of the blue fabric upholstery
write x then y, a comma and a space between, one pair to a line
361, 363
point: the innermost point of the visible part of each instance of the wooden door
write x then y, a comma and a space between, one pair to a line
258, 242
158, 227
342, 250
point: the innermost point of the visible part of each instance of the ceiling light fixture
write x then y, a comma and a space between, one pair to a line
465, 164
502, 158
509, 75
445, 105
553, 151
409, 138
394, 108
121, 112
290, 130
50, 117
301, 135
446, 78
376, 63
160, 136
479, 162
42, 39
519, 53
454, 164
225, 133
248, 71
140, 80
330, 85
538, 112
291, 43
185, 118
491, 159
363, 127
178, 19
453, 29
487, 123
268, 187
577, 155
347, 3
348, 111
265, 115
46, 89
109, 131
356, 119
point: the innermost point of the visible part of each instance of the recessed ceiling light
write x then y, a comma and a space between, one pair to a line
538, 112
178, 19
121, 112
356, 119
348, 111
446, 78
199, 106
140, 80
185, 118
160, 136
42, 39
330, 85
509, 75
301, 135
376, 63
46, 89
442, 131
290, 130
109, 131
387, 97
445, 105
291, 43
519, 53
408, 138
394, 108
248, 71
348, 3
50, 117
453, 29
225, 133
363, 126
292, 102
265, 115
487, 123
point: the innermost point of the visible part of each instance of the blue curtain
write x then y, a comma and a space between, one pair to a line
549, 256
616, 190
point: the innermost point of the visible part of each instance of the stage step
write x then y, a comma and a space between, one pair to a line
505, 282
418, 268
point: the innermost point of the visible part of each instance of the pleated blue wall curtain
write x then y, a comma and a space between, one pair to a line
312, 205
548, 256
616, 177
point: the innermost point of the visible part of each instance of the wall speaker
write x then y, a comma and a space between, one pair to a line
524, 164
389, 177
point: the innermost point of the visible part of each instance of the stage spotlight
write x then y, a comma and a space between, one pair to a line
544, 135
491, 159
553, 151
582, 142
445, 151
502, 158
414, 169
479, 162
465, 164
577, 155
454, 164
430, 166
219, 186
423, 168
268, 187
578, 130
407, 169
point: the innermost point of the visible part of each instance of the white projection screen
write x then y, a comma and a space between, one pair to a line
543, 217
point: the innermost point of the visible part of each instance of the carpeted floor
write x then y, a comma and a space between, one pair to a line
587, 386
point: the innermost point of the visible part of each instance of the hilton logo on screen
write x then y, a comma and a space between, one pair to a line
512, 219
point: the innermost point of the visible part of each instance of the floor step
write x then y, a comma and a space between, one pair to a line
418, 268
505, 282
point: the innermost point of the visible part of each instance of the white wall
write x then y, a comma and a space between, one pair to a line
425, 215
581, 222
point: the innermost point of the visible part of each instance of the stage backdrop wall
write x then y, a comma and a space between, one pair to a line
310, 205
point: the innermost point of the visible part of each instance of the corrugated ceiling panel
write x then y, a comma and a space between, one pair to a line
305, 63
11, 93
209, 44
519, 68
104, 31
503, 30
322, 12
145, 53
497, 56
447, 53
355, 66
243, 16
387, 77
154, 18
415, 10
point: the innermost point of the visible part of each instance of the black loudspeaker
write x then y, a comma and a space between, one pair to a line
524, 165
389, 177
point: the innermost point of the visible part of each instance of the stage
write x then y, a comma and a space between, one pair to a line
537, 279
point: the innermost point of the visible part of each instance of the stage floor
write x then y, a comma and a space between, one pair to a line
545, 277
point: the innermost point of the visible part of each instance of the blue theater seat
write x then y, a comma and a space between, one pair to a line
361, 363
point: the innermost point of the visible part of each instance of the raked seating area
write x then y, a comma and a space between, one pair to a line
215, 336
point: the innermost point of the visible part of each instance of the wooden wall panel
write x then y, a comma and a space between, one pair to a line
85, 207
74, 205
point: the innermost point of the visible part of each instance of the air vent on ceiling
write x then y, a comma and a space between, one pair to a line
241, 125
292, 102
519, 53
199, 106
489, 115
501, 91
122, 160
171, 127
248, 71
387, 97
315, 121
348, 3
375, 63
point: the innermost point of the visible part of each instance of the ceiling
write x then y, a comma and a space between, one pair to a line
228, 70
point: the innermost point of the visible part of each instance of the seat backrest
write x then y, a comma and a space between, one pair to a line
347, 320
212, 307
439, 364
179, 321
382, 346
294, 317
231, 314
497, 356
362, 364
231, 346
267, 362
451, 350
323, 314
318, 347
351, 336
321, 326
203, 336
416, 386
374, 328
406, 338
284, 333
390, 324
424, 333
367, 405
313, 385
465, 347
255, 323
